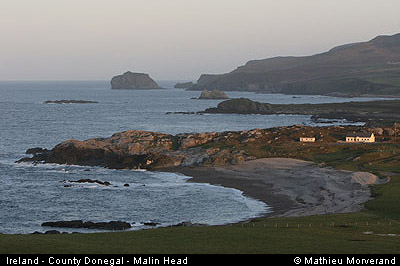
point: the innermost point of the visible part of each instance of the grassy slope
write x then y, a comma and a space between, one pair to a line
341, 233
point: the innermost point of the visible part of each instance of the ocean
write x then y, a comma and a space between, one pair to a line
32, 194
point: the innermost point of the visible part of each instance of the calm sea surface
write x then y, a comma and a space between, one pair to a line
30, 195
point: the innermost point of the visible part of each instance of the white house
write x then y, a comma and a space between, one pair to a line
307, 139
361, 137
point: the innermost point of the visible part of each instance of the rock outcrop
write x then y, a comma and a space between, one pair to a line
90, 181
213, 95
69, 101
36, 150
152, 150
133, 81
241, 106
113, 225
142, 150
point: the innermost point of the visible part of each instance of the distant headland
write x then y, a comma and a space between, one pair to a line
357, 69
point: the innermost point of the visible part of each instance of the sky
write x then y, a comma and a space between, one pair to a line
175, 39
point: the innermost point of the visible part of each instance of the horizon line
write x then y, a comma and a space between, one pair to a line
52, 80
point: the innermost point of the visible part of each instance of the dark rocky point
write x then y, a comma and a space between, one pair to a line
69, 101
52, 232
150, 223
113, 225
105, 183
36, 150
188, 224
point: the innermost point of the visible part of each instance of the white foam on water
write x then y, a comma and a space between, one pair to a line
256, 208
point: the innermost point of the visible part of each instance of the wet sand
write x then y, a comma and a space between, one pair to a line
290, 187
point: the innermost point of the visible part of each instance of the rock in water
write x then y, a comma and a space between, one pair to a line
106, 183
52, 232
69, 101
113, 225
133, 81
213, 95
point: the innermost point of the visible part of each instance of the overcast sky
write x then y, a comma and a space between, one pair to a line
175, 39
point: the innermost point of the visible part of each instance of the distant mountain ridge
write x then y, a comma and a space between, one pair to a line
363, 68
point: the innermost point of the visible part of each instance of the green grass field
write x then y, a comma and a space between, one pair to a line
374, 230
365, 232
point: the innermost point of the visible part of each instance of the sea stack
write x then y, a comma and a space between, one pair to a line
133, 81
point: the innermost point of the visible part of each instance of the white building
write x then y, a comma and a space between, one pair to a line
307, 139
361, 137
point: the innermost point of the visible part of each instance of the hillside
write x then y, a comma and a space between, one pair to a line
365, 68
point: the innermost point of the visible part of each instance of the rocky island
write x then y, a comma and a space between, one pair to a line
183, 85
133, 81
215, 94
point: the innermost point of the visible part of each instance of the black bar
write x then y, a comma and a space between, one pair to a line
190, 259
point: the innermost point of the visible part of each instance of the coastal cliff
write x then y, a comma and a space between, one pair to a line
364, 68
133, 81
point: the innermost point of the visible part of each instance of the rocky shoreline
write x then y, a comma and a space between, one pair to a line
135, 149
107, 226
140, 150
263, 163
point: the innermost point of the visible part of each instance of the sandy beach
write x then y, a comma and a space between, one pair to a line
290, 187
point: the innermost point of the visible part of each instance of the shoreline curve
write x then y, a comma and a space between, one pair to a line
290, 187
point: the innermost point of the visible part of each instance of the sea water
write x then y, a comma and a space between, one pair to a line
32, 194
